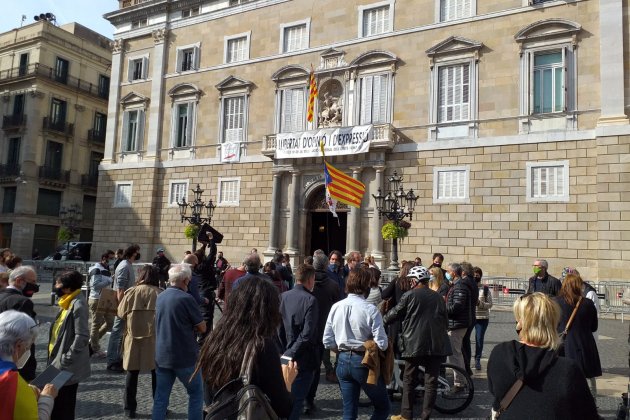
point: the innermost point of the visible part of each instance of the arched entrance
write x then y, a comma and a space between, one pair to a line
323, 230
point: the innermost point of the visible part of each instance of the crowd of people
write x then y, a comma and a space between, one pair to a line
284, 323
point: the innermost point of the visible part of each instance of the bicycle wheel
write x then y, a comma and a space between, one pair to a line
449, 399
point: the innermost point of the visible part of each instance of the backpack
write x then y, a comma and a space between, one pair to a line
248, 403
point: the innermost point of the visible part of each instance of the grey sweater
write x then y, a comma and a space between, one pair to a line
484, 304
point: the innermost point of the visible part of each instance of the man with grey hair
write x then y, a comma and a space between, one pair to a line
252, 264
542, 281
177, 321
21, 279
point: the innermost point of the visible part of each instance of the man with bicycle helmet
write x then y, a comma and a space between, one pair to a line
423, 340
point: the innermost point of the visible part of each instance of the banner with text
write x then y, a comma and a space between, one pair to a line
337, 141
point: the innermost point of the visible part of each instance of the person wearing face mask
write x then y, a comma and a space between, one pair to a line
458, 309
438, 260
100, 278
484, 303
336, 269
299, 333
542, 281
20, 401
68, 346
178, 320
195, 279
22, 285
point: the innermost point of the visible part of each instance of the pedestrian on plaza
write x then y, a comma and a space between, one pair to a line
177, 321
195, 280
353, 260
336, 269
437, 282
424, 340
22, 281
393, 293
484, 303
253, 265
4, 280
270, 270
5, 254
119, 257
13, 262
298, 334
438, 260
100, 278
206, 272
473, 295
351, 322
221, 264
162, 264
459, 319
69, 339
579, 343
542, 281
326, 292
418, 262
375, 287
229, 278
588, 291
137, 309
553, 388
124, 278
252, 318
20, 401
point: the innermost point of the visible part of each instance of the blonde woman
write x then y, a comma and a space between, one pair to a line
436, 281
553, 387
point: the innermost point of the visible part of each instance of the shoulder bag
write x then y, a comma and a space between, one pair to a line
564, 333
248, 403
507, 398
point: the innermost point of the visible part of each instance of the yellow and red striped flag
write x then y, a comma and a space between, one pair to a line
343, 187
312, 94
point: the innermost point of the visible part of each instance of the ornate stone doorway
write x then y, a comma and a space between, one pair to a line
323, 230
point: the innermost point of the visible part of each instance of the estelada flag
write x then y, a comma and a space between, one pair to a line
311, 96
342, 187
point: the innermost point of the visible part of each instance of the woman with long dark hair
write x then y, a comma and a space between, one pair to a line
394, 292
137, 307
253, 316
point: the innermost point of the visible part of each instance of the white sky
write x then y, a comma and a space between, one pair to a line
88, 13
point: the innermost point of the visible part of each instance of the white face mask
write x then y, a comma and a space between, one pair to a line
24, 358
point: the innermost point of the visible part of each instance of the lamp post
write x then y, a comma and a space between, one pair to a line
197, 206
395, 206
70, 218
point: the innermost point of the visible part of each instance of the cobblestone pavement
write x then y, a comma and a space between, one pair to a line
100, 397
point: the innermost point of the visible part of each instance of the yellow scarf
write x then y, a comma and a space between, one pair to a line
64, 304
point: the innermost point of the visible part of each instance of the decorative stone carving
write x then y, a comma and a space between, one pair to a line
309, 180
331, 59
330, 104
117, 46
79, 108
159, 35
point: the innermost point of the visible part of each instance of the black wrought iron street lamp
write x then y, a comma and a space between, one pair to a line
395, 206
197, 207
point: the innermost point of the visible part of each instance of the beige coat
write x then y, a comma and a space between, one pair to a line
137, 308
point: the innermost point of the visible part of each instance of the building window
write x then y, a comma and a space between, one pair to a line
548, 181
133, 130
237, 2
374, 107
294, 37
450, 184
48, 202
453, 93
455, 9
139, 23
233, 119
376, 19
229, 191
178, 190
293, 110
193, 11
5, 234
58, 114
548, 82
103, 86
23, 69
188, 58
13, 153
100, 125
183, 126
61, 70
53, 160
138, 68
122, 194
237, 48
8, 201
18, 104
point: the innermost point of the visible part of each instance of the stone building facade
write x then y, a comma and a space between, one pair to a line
54, 86
508, 119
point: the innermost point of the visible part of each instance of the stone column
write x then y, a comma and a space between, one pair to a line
611, 63
156, 108
376, 239
274, 228
111, 137
294, 215
354, 222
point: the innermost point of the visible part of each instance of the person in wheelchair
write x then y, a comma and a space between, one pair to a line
423, 340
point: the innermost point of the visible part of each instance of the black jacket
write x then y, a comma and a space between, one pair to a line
424, 323
550, 285
14, 299
554, 389
326, 291
298, 331
473, 290
458, 306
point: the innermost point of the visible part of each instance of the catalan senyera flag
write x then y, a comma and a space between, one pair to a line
312, 94
342, 187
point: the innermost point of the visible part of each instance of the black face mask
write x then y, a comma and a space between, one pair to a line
138, 256
437, 264
58, 291
30, 289
478, 279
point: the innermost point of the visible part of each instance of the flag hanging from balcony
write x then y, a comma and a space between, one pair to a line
312, 94
341, 187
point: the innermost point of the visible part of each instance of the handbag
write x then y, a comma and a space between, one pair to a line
249, 402
564, 333
507, 398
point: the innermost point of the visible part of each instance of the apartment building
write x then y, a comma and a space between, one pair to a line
508, 119
54, 87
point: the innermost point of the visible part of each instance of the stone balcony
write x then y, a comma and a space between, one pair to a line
384, 137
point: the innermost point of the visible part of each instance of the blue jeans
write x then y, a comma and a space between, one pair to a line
194, 388
299, 389
115, 342
352, 375
480, 332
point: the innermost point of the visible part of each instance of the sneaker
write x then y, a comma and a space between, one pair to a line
399, 417
478, 364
